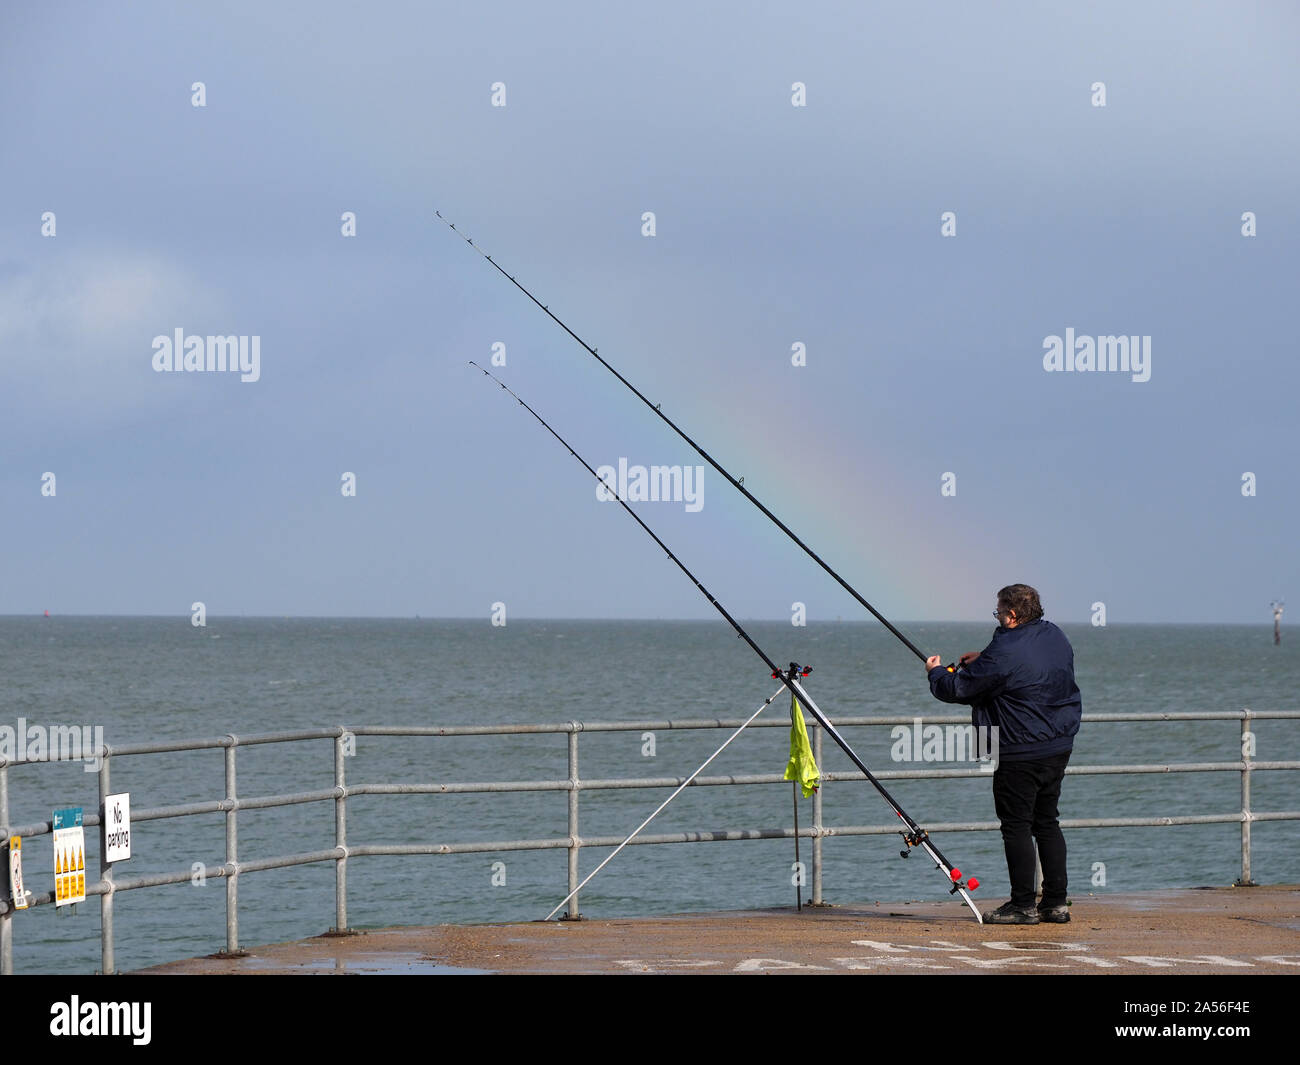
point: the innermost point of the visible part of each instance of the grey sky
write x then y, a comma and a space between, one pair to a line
775, 224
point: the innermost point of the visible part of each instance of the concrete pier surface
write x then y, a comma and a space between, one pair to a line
1228, 930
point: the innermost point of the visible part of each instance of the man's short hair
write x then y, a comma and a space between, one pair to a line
1023, 600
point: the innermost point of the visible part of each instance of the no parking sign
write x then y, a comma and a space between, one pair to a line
117, 827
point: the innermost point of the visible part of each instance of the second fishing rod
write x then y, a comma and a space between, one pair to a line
698, 450
913, 834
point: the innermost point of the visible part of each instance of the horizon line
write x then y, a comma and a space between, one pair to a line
486, 619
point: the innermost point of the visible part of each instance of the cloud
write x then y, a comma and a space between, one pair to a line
76, 334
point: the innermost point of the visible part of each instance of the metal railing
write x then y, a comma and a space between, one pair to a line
341, 791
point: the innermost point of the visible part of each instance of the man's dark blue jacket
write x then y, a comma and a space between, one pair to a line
1022, 682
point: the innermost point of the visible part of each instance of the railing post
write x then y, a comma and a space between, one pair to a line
232, 853
341, 834
106, 960
6, 918
575, 844
1247, 745
817, 822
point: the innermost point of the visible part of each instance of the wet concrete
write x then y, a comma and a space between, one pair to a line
1198, 930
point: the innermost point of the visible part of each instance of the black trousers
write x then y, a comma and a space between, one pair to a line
1025, 795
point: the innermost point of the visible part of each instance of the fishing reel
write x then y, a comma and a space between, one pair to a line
913, 839
960, 664
794, 669
921, 836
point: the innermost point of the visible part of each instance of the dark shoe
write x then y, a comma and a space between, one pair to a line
1054, 914
1009, 913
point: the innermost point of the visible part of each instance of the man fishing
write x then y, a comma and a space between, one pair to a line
1022, 683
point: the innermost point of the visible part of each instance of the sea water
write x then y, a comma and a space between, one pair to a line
149, 679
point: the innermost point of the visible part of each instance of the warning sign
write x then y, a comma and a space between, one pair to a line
69, 857
16, 890
117, 827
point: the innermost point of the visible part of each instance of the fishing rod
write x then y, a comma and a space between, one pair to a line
698, 450
913, 834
